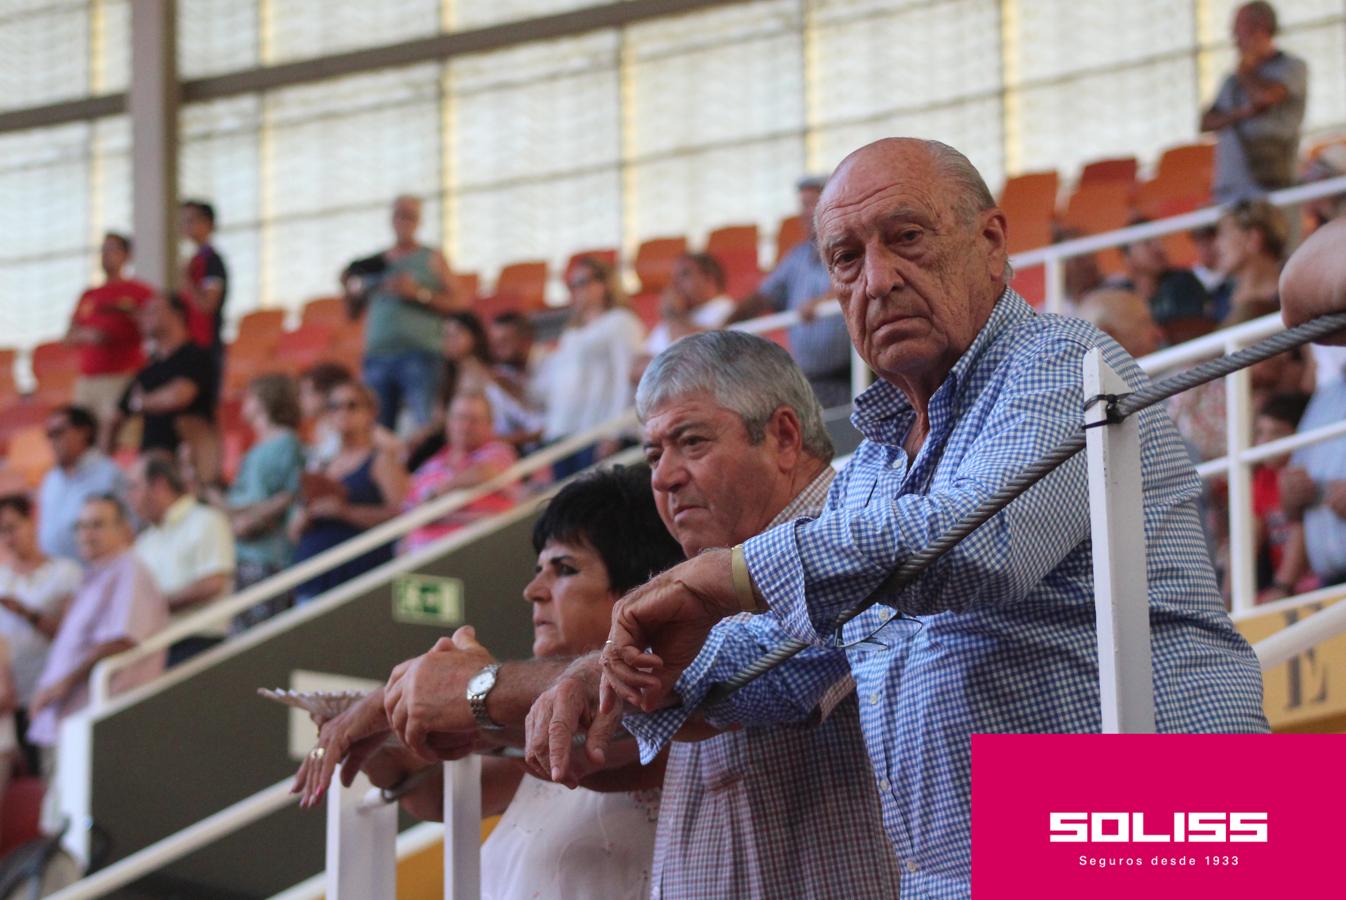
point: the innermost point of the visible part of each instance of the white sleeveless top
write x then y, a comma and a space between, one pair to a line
560, 844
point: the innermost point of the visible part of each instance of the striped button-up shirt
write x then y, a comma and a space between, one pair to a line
998, 636
775, 812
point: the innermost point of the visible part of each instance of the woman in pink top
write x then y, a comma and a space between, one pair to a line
472, 456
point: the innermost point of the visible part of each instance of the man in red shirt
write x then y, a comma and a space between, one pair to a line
204, 282
105, 328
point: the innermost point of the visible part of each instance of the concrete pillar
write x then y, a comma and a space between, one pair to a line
152, 103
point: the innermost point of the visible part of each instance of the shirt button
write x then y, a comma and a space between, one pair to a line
911, 865
873, 699
886, 614
883, 785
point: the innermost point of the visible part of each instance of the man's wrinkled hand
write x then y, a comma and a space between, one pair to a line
660, 627
568, 708
428, 695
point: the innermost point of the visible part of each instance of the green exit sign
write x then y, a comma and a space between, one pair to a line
428, 600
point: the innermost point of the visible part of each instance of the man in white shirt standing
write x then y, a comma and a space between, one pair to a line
187, 546
694, 301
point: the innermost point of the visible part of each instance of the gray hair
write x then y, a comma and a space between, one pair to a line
973, 194
747, 375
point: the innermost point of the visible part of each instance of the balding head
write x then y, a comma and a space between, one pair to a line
916, 249
1125, 317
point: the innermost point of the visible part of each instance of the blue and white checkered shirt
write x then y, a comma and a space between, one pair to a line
998, 636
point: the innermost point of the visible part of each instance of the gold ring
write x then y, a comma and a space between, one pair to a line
318, 752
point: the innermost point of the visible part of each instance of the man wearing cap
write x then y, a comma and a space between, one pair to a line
800, 282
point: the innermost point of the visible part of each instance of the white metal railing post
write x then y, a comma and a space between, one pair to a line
74, 783
1121, 587
361, 843
1242, 574
462, 828
1054, 273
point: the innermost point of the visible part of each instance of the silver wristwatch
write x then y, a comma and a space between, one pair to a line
478, 687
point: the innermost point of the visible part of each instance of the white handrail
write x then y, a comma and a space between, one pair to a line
1266, 451
1306, 633
175, 846
221, 611
1199, 349
1170, 224
1054, 255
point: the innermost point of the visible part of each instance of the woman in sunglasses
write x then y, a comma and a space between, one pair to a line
361, 486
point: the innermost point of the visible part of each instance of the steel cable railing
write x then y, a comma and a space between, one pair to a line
1119, 408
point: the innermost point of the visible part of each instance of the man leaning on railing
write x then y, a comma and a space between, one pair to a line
973, 386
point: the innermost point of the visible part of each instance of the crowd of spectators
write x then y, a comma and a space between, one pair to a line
135, 524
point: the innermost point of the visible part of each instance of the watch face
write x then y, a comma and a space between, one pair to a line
481, 683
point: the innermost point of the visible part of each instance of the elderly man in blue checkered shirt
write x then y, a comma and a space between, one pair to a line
999, 635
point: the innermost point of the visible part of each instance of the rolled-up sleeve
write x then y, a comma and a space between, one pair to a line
791, 692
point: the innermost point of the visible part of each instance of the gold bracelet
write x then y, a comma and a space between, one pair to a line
738, 567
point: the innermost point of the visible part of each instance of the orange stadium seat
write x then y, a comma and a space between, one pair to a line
1031, 284
1099, 207
297, 350
9, 389
735, 249
522, 286
1183, 171
55, 366
790, 233
646, 306
20, 414
1029, 202
1110, 171
329, 311
654, 262
467, 284
29, 454
260, 329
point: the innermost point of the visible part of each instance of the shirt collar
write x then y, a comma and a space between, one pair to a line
86, 459
808, 501
178, 510
881, 407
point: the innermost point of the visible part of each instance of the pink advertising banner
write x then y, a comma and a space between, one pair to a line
1158, 816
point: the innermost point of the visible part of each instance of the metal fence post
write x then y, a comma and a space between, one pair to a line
1121, 587
462, 829
361, 844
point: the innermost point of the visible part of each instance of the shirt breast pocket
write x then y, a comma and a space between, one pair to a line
861, 492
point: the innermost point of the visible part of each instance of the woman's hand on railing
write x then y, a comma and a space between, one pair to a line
346, 740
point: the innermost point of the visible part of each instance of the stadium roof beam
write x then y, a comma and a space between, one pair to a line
430, 49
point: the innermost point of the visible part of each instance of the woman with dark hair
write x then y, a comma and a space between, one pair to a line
360, 487
588, 379
468, 369
266, 485
598, 538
